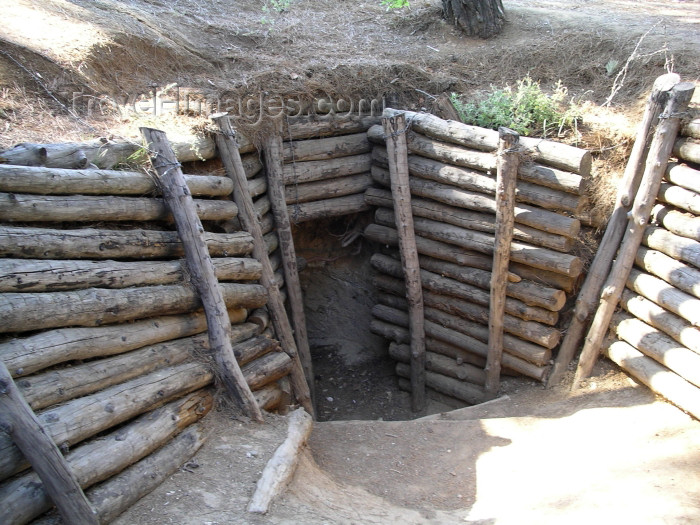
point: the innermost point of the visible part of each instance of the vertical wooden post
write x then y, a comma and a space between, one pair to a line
228, 151
397, 151
598, 271
272, 149
506, 177
22, 425
179, 200
659, 152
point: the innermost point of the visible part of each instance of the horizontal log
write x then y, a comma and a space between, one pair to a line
682, 224
443, 285
81, 418
467, 392
25, 498
665, 295
269, 397
452, 402
31, 354
314, 170
48, 275
317, 126
96, 306
690, 127
684, 176
680, 197
657, 345
528, 292
465, 218
90, 243
674, 272
267, 369
654, 315
256, 186
537, 257
680, 248
252, 164
325, 208
326, 148
657, 377
545, 151
440, 364
469, 179
687, 148
545, 278
54, 181
327, 189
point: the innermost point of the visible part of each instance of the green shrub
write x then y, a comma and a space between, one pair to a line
525, 109
394, 4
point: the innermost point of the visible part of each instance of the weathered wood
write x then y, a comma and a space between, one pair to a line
683, 176
252, 162
266, 369
48, 181
270, 396
680, 197
256, 186
548, 152
327, 189
467, 392
690, 126
506, 178
96, 306
680, 248
676, 222
81, 418
452, 402
687, 148
537, 257
89, 243
20, 423
24, 498
395, 129
326, 148
317, 126
47, 275
657, 377
440, 364
325, 208
665, 295
316, 170
471, 220
674, 272
658, 156
298, 345
657, 345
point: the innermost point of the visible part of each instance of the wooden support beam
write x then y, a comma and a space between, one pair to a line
190, 229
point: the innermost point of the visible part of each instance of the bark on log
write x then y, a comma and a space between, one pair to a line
279, 470
322, 209
545, 278
683, 176
471, 220
327, 189
660, 347
652, 314
440, 364
548, 152
30, 436
686, 148
315, 170
24, 498
256, 186
676, 222
537, 257
252, 163
690, 127
655, 166
270, 397
55, 181
482, 18
467, 392
325, 149
657, 377
96, 306
81, 418
318, 126
665, 295
670, 270
260, 317
38, 275
680, 248
88, 243
679, 197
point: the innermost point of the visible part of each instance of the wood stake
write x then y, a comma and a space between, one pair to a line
506, 177
600, 266
659, 153
189, 227
395, 134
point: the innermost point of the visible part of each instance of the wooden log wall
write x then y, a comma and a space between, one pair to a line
102, 327
656, 334
453, 187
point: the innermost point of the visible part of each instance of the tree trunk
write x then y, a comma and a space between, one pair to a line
482, 18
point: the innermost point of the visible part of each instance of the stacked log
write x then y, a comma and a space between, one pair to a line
104, 329
657, 333
453, 188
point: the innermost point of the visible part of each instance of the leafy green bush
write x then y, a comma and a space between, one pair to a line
525, 109
394, 4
